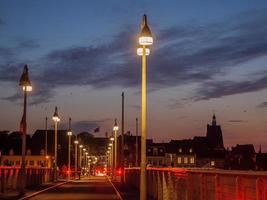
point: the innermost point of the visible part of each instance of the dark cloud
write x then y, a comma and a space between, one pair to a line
218, 89
181, 54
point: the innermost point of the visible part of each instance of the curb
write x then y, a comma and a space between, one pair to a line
117, 192
44, 190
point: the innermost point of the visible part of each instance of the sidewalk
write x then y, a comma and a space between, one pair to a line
14, 195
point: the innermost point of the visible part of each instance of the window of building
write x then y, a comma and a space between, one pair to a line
185, 160
190, 150
192, 160
212, 163
180, 150
179, 160
31, 162
155, 151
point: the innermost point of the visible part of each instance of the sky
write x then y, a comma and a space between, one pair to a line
207, 57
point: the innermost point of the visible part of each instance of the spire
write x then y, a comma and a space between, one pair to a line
214, 120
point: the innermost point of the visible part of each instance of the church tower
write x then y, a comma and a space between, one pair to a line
214, 135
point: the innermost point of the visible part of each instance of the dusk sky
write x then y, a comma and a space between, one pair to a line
208, 56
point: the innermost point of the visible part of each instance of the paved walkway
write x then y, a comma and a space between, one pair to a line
87, 188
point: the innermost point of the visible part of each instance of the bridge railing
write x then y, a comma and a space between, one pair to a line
200, 184
10, 177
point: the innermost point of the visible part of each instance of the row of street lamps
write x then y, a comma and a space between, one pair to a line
145, 40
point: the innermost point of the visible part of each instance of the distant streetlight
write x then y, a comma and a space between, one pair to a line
26, 87
56, 120
145, 39
69, 133
115, 129
76, 142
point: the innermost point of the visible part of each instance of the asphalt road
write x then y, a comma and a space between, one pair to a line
87, 188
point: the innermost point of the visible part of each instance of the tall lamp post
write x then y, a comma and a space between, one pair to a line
69, 133
136, 142
115, 129
111, 149
145, 39
76, 142
56, 120
80, 156
26, 87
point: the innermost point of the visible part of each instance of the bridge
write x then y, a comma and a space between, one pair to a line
162, 183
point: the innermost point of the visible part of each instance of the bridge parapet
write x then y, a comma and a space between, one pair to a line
10, 177
201, 184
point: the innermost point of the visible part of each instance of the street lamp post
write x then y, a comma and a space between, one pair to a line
136, 142
69, 133
115, 129
80, 156
76, 142
56, 120
26, 87
145, 39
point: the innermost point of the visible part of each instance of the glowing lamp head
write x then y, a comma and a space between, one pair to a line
112, 138
139, 51
108, 151
109, 148
145, 37
110, 144
76, 142
84, 149
69, 132
24, 80
81, 146
55, 116
86, 153
116, 127
27, 88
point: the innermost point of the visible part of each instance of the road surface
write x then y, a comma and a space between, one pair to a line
87, 188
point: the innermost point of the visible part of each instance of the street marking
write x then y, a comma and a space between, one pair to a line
117, 192
49, 188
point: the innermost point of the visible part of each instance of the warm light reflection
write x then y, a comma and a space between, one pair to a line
76, 142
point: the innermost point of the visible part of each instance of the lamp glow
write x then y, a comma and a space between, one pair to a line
55, 116
139, 51
27, 88
76, 142
116, 127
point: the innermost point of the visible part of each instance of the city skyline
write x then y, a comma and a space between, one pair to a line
207, 58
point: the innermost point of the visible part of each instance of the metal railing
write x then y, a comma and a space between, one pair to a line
200, 184
10, 177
